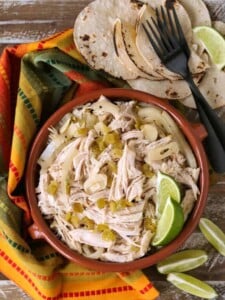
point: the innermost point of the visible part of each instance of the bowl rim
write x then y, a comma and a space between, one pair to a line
148, 260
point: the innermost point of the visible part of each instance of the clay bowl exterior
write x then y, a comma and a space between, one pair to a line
194, 134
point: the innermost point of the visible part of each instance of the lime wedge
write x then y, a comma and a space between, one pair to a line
213, 234
170, 223
182, 261
166, 187
192, 285
213, 42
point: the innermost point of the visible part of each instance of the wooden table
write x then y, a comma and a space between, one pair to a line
30, 20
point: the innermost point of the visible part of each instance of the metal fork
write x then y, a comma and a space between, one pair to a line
166, 37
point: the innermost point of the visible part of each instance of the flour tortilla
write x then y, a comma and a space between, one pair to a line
122, 53
166, 89
93, 34
175, 89
138, 63
212, 86
129, 37
197, 11
146, 49
199, 59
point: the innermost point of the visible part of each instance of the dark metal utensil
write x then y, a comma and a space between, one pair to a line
166, 37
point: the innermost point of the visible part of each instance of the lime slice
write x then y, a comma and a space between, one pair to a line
213, 42
170, 223
213, 234
192, 285
182, 261
166, 187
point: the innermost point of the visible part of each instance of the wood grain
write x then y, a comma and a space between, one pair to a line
24, 21
8, 291
36, 19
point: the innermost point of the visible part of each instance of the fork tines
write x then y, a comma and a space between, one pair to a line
165, 32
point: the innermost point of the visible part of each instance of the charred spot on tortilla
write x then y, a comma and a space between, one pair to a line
114, 41
104, 54
93, 58
202, 65
85, 38
170, 92
137, 2
84, 17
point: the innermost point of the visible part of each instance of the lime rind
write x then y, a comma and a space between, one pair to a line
192, 285
182, 261
169, 224
213, 234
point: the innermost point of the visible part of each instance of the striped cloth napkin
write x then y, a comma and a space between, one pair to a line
35, 79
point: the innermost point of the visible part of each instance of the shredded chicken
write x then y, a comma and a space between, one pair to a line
98, 177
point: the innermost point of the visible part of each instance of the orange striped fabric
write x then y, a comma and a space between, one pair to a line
35, 79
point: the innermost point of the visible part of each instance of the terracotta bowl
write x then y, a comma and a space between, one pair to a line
194, 134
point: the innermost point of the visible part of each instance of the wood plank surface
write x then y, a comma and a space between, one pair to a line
24, 21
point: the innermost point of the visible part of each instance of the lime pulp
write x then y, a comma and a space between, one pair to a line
169, 224
192, 285
213, 234
182, 261
166, 187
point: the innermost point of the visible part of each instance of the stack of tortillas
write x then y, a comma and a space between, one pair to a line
110, 36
